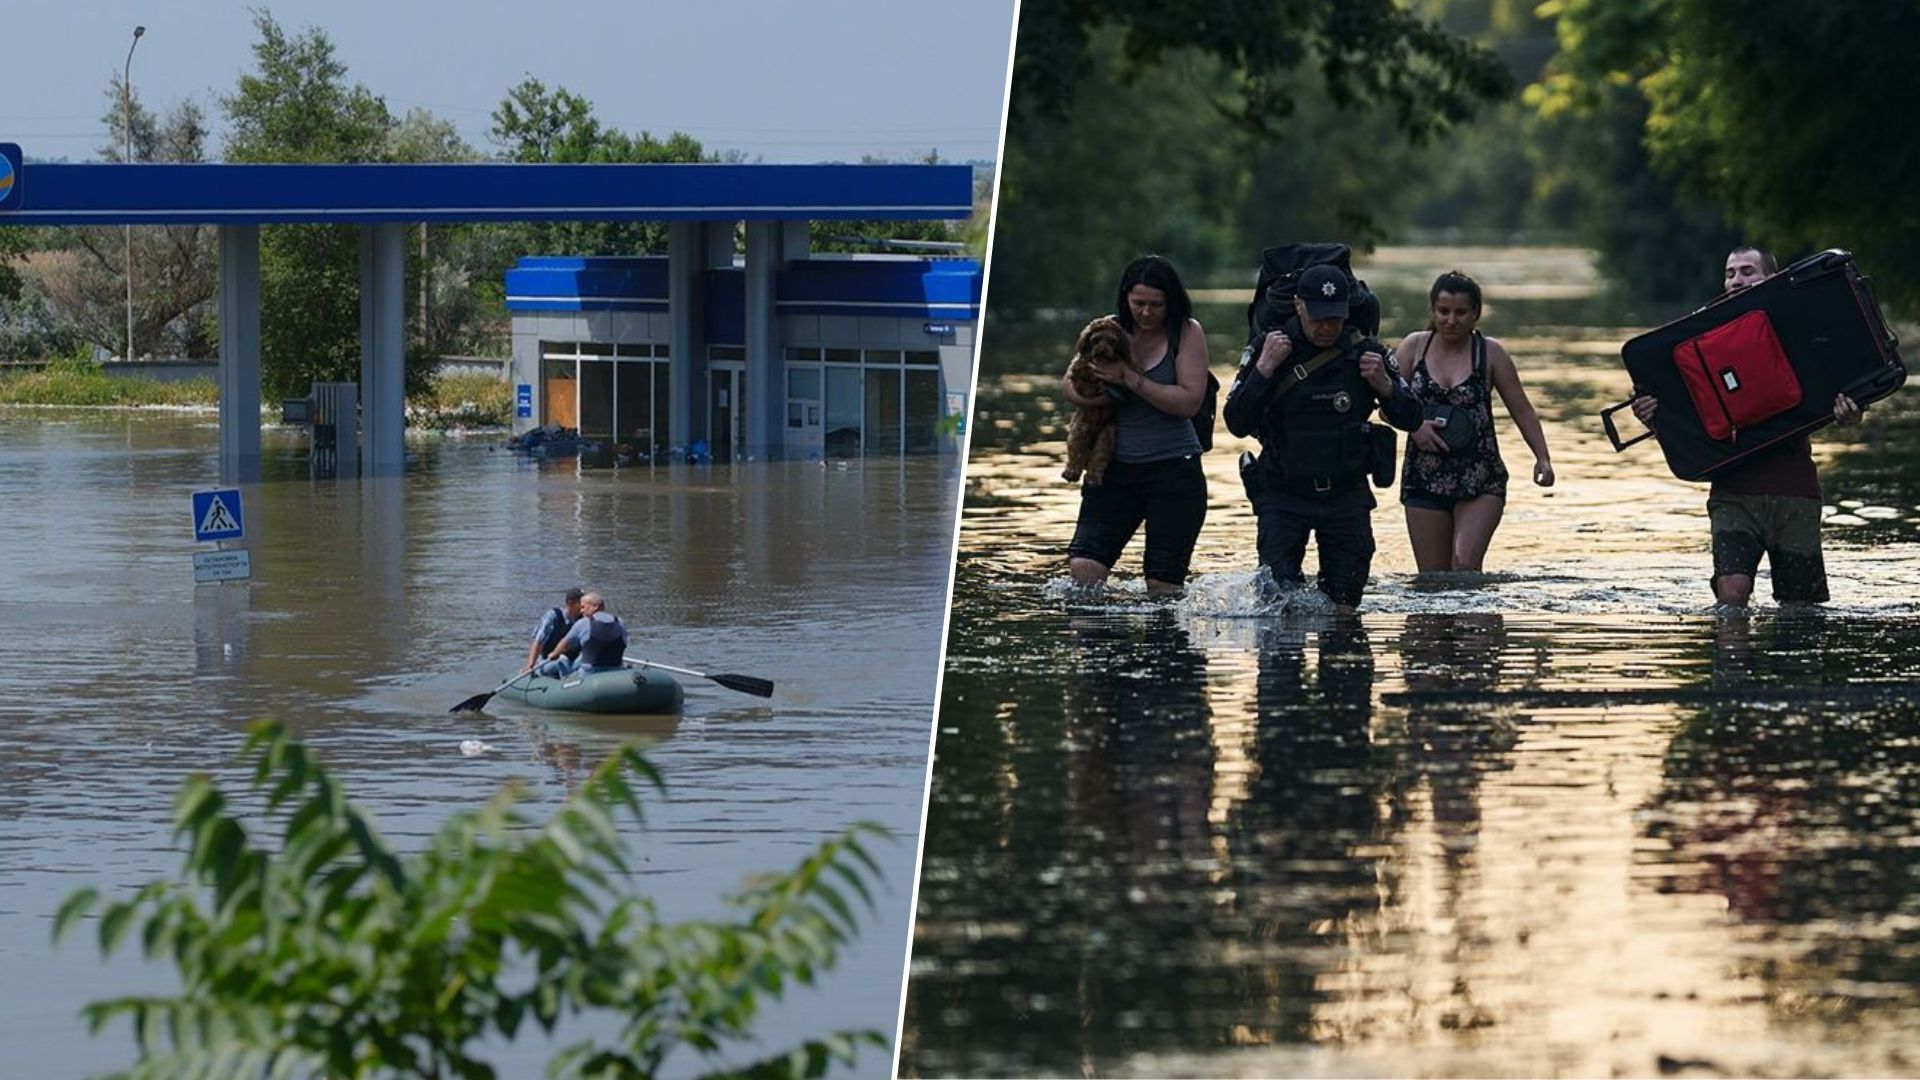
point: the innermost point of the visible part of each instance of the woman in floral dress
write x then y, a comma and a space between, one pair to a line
1454, 485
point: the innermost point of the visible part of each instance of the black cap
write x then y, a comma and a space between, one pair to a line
574, 595
1324, 289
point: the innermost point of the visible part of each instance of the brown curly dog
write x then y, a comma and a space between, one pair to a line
1090, 432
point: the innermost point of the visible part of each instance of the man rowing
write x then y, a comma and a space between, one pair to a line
597, 641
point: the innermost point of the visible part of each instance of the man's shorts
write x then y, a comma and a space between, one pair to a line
1784, 528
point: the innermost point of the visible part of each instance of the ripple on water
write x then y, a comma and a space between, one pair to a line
1562, 817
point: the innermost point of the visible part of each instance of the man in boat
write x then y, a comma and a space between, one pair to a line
1771, 504
553, 626
596, 642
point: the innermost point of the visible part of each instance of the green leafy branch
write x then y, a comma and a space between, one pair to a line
336, 955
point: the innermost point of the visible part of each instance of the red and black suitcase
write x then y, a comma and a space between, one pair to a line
1761, 365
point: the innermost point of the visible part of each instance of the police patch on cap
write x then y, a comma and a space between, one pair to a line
1324, 290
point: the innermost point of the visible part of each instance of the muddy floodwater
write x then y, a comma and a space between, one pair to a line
377, 605
1562, 818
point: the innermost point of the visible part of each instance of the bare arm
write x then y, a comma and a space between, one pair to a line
1189, 388
1426, 437
1506, 379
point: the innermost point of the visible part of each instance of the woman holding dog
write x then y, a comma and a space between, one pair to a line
1454, 485
1155, 476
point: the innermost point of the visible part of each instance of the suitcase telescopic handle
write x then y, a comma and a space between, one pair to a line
1613, 433
1877, 316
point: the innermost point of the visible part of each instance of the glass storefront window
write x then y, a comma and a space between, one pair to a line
803, 383
923, 411
634, 416
883, 410
842, 439
596, 399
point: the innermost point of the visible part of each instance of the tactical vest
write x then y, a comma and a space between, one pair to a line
603, 647
1313, 438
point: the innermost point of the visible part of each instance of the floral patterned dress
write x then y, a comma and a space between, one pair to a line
1461, 474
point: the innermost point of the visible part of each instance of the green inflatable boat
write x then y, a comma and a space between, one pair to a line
650, 692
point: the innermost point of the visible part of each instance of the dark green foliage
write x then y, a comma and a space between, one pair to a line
1789, 119
14, 243
1370, 51
298, 107
1084, 192
1658, 244
333, 954
1205, 132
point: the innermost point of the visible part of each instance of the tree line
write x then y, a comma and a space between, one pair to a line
1658, 132
62, 290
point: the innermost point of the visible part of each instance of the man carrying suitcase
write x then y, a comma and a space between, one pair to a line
1771, 504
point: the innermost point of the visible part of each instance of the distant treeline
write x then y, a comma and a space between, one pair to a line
1205, 131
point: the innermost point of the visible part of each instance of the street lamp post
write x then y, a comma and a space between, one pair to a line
126, 123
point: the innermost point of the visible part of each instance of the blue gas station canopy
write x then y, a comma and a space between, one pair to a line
144, 194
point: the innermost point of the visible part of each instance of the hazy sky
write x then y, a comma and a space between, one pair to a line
787, 81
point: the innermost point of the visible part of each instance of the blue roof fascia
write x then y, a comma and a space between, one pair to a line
145, 194
939, 288
574, 283
930, 288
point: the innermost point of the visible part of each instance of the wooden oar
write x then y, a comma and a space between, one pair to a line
746, 684
479, 701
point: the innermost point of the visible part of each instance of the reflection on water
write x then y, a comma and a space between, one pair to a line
378, 604
1559, 818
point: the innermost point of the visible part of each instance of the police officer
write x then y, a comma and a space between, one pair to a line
1307, 396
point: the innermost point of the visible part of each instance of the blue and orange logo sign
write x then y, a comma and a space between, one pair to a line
9, 176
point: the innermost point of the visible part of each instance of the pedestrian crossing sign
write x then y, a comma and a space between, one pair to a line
216, 515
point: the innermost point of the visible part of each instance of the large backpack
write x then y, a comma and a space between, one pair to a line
1280, 269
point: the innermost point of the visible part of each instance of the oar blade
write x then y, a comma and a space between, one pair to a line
746, 684
474, 703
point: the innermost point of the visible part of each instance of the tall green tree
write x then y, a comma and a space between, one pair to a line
1783, 114
298, 106
537, 124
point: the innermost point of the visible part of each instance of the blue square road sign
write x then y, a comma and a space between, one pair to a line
216, 515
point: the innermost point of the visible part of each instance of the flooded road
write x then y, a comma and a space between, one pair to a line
377, 605
1559, 819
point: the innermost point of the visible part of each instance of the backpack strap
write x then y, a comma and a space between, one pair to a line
1298, 373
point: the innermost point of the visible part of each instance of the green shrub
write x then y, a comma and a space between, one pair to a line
335, 955
463, 401
75, 380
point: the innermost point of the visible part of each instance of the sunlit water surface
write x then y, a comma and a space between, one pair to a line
1561, 818
377, 605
